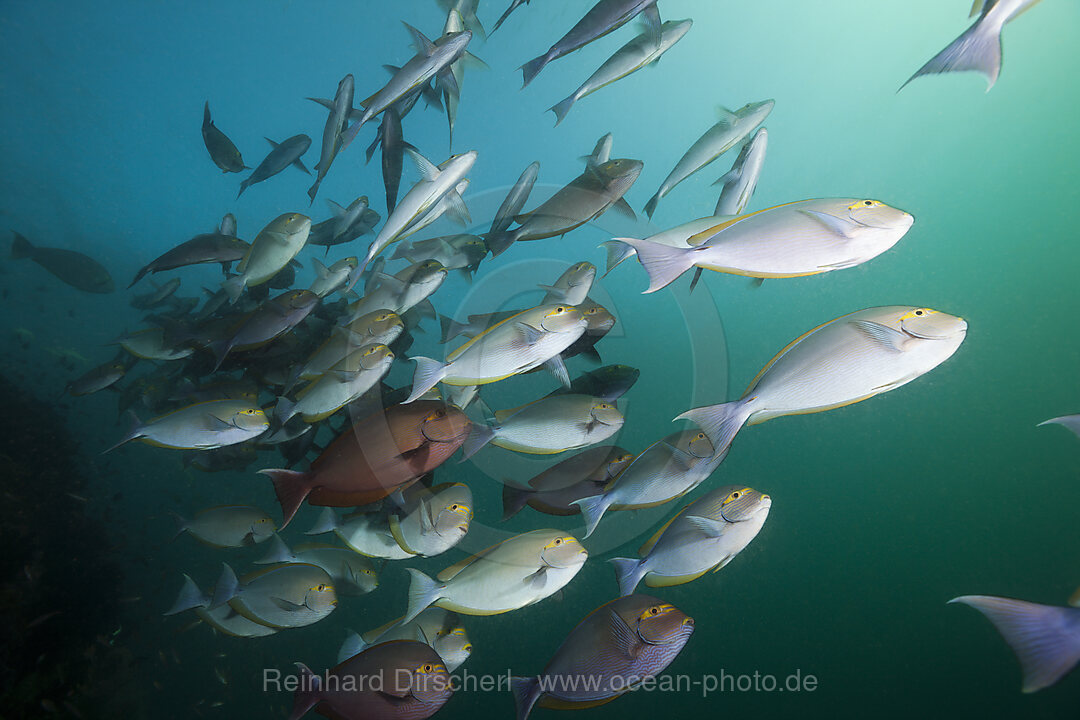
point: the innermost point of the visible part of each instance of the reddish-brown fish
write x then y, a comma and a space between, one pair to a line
396, 680
386, 451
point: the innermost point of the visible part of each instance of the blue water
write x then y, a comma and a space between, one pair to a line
882, 511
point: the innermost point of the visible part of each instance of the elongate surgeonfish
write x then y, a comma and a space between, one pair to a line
617, 646
381, 453
396, 680
554, 490
222, 150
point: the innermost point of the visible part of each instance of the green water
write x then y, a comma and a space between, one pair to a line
882, 511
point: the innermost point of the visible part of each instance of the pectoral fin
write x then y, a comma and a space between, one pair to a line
840, 226
884, 335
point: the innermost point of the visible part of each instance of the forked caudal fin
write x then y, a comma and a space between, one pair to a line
1046, 639
190, 597
592, 509
353, 645
978, 49
423, 592
720, 422
308, 694
628, 571
427, 375
291, 487
526, 692
663, 263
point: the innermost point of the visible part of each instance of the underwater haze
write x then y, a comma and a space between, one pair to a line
883, 510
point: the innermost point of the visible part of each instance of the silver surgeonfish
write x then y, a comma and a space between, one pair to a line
351, 572
979, 48
229, 526
202, 426
518, 344
706, 535
272, 249
441, 629
519, 571
224, 619
283, 596
616, 646
844, 361
550, 425
808, 237
664, 471
1045, 638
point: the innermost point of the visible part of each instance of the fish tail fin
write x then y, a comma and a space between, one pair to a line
592, 509
206, 121
650, 207
479, 436
233, 286
446, 328
1046, 639
139, 276
526, 692
135, 429
720, 422
423, 591
190, 597
327, 522
221, 350
353, 645
1072, 422
663, 263
628, 571
977, 49
279, 552
243, 186
427, 375
308, 694
532, 68
284, 409
291, 487
617, 251
226, 588
498, 242
561, 108
20, 247
514, 500
181, 525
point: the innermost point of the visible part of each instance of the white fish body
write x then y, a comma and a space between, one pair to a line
435, 184
329, 279
844, 361
741, 181
519, 571
350, 378
728, 132
807, 237
705, 535
272, 249
664, 471
515, 345
230, 526
550, 425
202, 426
438, 519
631, 57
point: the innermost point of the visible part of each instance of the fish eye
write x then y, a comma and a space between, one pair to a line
699, 436
440, 413
427, 668
919, 313
736, 495
654, 610
467, 648
868, 203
